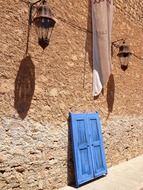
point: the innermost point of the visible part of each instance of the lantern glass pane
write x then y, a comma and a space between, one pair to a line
124, 61
42, 27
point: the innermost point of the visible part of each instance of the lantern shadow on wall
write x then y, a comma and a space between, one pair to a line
40, 15
24, 86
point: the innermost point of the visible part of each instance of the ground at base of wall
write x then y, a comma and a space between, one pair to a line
125, 176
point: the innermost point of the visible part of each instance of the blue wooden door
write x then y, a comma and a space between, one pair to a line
89, 157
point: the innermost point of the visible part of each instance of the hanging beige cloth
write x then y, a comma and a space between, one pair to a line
102, 13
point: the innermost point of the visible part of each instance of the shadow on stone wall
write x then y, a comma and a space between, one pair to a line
24, 86
88, 43
70, 165
110, 94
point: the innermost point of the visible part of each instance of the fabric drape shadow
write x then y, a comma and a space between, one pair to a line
88, 43
110, 94
24, 86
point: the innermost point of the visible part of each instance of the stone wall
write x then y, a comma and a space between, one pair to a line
32, 155
38, 92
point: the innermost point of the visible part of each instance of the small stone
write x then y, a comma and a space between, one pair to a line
40, 146
2, 158
70, 64
62, 106
15, 185
2, 184
20, 169
74, 57
41, 184
4, 88
53, 92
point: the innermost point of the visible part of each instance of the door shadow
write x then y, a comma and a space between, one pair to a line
70, 165
24, 86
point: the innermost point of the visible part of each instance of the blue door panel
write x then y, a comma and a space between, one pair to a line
81, 148
89, 156
97, 148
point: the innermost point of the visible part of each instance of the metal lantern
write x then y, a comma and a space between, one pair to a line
124, 55
44, 23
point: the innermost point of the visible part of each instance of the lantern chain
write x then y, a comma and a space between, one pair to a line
136, 56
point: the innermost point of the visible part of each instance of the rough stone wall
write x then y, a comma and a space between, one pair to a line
30, 156
38, 92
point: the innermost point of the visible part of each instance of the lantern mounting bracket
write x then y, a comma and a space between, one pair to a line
116, 43
35, 1
31, 9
